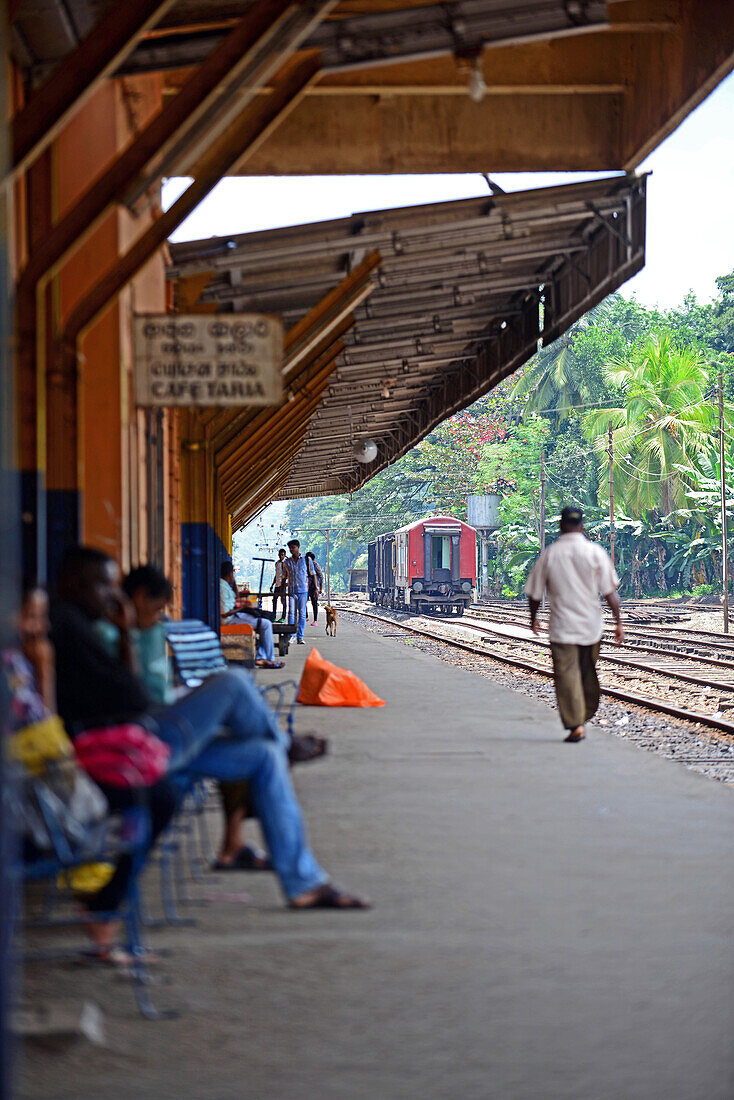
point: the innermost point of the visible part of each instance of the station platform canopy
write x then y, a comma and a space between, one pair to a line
556, 85
451, 299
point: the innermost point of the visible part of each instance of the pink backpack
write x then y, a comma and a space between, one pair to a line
122, 756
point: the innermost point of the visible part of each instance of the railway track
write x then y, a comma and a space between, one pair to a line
686, 685
711, 646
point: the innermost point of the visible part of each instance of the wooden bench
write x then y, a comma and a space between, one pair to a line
240, 637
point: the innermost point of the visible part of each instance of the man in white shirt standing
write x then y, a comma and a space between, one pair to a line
279, 585
574, 571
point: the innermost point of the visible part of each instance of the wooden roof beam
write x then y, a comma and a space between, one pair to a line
79, 74
259, 24
286, 432
254, 123
231, 422
261, 495
671, 76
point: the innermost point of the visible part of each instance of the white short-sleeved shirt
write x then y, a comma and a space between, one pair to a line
227, 599
574, 571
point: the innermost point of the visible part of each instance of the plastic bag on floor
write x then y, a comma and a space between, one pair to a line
326, 685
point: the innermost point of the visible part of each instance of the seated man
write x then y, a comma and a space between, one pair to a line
96, 689
232, 611
149, 592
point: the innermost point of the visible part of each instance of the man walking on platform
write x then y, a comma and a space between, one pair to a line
279, 586
574, 571
297, 574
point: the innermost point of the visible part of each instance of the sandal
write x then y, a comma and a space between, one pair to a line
328, 897
247, 859
120, 957
307, 747
269, 664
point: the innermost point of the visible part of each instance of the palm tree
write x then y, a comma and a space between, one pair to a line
665, 422
555, 383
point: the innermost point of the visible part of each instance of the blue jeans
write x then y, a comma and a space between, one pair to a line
254, 748
264, 630
300, 601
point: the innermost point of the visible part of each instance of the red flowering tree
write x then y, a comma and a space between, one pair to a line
450, 459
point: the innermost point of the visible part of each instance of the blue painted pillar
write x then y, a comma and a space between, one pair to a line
203, 550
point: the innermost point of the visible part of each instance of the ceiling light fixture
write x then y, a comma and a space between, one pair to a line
477, 86
365, 451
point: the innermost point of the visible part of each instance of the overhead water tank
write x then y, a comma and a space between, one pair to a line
483, 510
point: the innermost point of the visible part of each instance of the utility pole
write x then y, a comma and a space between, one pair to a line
722, 464
542, 499
611, 494
328, 569
542, 511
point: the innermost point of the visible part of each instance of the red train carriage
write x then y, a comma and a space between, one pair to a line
426, 566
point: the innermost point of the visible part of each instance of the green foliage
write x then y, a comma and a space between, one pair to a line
652, 375
663, 421
568, 376
722, 336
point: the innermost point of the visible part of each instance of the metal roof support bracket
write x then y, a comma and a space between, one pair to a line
623, 237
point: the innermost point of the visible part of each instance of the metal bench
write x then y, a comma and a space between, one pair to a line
284, 632
196, 650
61, 843
197, 655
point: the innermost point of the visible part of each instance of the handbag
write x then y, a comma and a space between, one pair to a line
127, 755
49, 771
37, 745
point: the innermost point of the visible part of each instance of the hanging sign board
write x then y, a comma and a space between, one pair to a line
208, 359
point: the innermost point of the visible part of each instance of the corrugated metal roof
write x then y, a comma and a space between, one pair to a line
464, 292
358, 35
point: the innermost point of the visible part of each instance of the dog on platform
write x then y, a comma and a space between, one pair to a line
331, 621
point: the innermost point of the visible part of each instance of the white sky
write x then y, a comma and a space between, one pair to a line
690, 225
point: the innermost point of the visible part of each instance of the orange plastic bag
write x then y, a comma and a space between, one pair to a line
327, 685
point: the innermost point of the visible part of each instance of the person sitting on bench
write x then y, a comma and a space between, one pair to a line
150, 591
30, 671
95, 689
232, 611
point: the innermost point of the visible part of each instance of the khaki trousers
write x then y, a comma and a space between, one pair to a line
577, 687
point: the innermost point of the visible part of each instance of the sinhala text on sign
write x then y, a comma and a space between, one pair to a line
195, 359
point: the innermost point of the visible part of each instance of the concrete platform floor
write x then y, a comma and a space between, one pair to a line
550, 921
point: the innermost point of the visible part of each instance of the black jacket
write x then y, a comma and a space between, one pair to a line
92, 688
